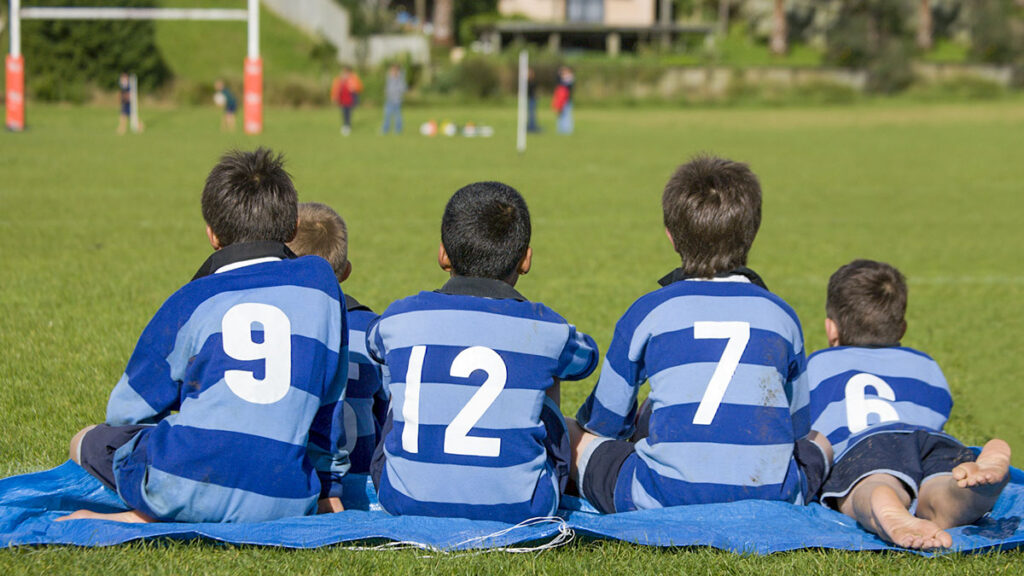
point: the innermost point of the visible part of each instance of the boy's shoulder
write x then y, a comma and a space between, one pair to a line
887, 361
742, 293
474, 298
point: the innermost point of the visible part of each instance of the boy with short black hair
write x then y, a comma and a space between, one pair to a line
727, 414
474, 429
890, 449
322, 232
225, 412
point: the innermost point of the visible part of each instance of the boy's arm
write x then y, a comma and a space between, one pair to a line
327, 440
147, 392
611, 408
579, 356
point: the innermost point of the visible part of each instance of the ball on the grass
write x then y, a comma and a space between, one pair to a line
219, 99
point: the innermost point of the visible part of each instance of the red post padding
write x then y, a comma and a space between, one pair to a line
253, 96
15, 93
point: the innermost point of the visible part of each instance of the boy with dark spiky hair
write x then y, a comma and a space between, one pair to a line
226, 410
727, 414
883, 406
474, 429
322, 232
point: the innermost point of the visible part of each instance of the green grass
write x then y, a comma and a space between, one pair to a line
97, 230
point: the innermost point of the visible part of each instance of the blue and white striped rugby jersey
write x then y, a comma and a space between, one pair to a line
858, 391
239, 372
365, 396
725, 361
469, 369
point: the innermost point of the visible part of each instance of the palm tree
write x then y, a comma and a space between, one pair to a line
924, 25
779, 32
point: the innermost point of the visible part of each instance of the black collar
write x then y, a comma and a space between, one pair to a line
677, 275
480, 287
353, 304
241, 252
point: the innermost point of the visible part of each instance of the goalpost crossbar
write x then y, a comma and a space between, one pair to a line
56, 13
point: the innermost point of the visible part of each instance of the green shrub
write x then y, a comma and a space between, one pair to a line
64, 58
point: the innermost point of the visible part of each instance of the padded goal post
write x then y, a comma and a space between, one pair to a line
252, 95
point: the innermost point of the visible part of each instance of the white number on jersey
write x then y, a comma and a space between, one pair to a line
738, 335
276, 351
858, 408
456, 435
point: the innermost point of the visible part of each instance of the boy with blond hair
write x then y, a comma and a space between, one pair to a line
322, 232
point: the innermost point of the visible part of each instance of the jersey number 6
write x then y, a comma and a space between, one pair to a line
456, 435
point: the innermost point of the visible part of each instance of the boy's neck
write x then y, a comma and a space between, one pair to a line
678, 275
480, 287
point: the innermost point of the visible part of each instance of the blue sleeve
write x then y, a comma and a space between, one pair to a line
579, 356
327, 440
611, 408
146, 392
374, 342
800, 395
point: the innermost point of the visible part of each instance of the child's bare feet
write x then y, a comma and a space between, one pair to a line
902, 528
991, 467
132, 516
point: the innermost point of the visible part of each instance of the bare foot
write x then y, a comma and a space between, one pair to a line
991, 467
902, 528
131, 516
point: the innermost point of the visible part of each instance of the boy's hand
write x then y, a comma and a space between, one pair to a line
329, 505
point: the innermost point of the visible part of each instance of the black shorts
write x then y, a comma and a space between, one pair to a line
602, 477
911, 457
96, 454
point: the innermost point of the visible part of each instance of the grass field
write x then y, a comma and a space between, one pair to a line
96, 230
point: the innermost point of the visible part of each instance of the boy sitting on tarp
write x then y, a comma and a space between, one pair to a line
883, 407
726, 418
228, 408
322, 232
474, 429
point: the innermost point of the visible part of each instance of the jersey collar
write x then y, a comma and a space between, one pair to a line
481, 288
238, 253
677, 275
353, 304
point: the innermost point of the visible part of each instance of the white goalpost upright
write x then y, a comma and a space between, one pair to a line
253, 89
524, 78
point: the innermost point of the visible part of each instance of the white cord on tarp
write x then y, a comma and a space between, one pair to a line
565, 535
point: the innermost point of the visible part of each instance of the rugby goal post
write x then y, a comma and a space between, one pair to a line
252, 95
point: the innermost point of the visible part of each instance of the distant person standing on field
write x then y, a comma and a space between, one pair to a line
394, 93
345, 92
225, 99
124, 84
562, 99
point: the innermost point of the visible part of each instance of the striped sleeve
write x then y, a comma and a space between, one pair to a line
147, 392
579, 357
611, 408
327, 438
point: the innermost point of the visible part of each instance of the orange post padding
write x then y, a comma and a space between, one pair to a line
15, 93
253, 96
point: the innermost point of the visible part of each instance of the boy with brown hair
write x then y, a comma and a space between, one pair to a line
322, 232
883, 407
726, 418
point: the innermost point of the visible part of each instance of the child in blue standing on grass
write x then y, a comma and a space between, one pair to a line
474, 429
322, 232
727, 416
227, 410
883, 407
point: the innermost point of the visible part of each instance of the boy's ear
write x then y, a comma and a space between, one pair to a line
347, 272
832, 332
442, 259
524, 264
671, 241
214, 241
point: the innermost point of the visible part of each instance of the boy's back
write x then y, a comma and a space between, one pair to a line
725, 361
365, 396
858, 391
246, 354
470, 366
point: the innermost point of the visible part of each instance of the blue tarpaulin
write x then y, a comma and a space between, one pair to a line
30, 503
